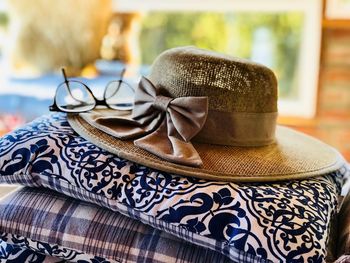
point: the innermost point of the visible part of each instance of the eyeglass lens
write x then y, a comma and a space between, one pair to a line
73, 96
119, 95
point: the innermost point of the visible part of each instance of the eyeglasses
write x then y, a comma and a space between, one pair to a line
74, 96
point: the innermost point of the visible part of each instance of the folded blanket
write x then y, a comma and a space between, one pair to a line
52, 224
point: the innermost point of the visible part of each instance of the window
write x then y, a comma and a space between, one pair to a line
282, 34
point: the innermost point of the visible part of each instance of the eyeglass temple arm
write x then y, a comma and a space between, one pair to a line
67, 83
122, 74
64, 75
119, 82
54, 107
121, 78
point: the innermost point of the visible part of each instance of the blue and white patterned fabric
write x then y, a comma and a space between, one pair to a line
279, 222
11, 254
22, 249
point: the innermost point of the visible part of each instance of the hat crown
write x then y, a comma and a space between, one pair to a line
231, 84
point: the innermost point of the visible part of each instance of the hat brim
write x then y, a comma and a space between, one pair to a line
294, 155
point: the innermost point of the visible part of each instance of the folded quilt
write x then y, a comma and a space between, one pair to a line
52, 224
278, 222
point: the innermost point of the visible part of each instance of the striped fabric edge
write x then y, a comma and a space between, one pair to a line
54, 183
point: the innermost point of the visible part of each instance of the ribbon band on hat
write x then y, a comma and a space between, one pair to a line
161, 125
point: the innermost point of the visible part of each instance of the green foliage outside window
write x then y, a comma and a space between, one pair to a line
3, 19
234, 34
3, 24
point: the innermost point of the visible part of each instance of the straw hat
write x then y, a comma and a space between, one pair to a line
211, 116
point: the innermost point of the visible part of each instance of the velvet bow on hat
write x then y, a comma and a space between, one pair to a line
161, 125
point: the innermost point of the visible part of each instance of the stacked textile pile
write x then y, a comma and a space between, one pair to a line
272, 200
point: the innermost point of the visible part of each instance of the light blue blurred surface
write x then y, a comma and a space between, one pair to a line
31, 97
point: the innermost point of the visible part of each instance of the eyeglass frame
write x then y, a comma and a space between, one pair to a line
98, 102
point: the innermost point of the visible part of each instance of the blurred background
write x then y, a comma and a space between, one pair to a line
306, 43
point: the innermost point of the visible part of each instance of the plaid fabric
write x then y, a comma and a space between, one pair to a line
49, 217
81, 194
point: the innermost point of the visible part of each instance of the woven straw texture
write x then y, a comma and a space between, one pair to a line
293, 156
232, 84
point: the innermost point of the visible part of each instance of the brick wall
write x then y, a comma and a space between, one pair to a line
332, 122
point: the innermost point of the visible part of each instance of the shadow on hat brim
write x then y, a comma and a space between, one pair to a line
294, 155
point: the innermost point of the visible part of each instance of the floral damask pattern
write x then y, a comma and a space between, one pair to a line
286, 221
14, 248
